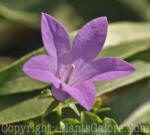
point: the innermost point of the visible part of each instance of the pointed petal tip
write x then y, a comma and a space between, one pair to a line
129, 66
43, 13
48, 16
104, 19
101, 19
132, 69
125, 64
88, 108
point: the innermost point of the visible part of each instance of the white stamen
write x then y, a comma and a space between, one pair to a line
70, 73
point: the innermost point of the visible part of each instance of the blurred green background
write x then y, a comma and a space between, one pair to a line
20, 20
128, 38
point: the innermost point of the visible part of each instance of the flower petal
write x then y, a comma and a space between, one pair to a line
59, 94
107, 69
55, 37
41, 68
90, 40
84, 94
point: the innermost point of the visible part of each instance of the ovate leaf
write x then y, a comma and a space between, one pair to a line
20, 107
140, 115
128, 99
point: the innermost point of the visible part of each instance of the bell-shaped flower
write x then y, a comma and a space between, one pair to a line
72, 69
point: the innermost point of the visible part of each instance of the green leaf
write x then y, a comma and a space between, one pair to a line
128, 99
126, 49
4, 61
74, 108
30, 20
110, 124
140, 115
135, 10
68, 122
19, 11
20, 107
144, 56
142, 8
88, 118
69, 126
126, 39
28, 13
127, 32
139, 120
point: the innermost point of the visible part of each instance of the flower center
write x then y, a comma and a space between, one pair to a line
66, 78
69, 73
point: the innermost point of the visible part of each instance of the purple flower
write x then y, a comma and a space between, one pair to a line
73, 69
